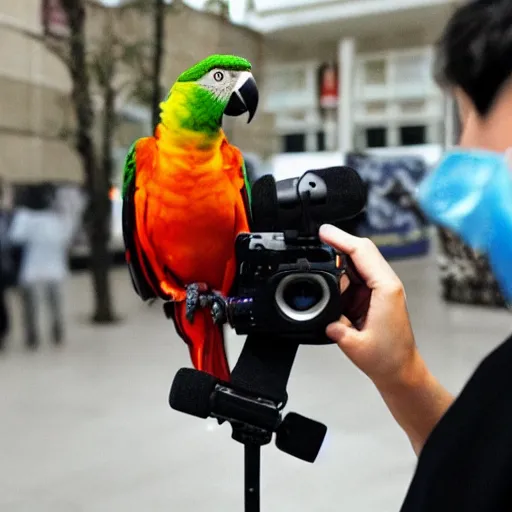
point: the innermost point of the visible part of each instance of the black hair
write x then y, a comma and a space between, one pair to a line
39, 196
474, 52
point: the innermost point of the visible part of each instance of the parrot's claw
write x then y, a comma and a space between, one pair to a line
193, 300
198, 296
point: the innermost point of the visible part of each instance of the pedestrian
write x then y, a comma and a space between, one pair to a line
7, 269
45, 233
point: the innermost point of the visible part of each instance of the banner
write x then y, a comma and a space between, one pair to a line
393, 220
54, 19
328, 86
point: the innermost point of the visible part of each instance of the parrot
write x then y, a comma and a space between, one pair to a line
186, 198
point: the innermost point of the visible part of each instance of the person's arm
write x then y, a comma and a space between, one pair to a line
417, 401
383, 346
19, 229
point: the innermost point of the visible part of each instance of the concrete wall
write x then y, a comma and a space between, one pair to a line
33, 99
34, 85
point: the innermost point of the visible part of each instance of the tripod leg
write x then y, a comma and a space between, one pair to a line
252, 477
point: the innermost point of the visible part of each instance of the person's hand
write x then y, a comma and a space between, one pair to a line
375, 331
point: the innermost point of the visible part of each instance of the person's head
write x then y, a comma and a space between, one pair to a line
474, 62
40, 197
470, 191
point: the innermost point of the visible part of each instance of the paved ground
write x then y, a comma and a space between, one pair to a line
86, 428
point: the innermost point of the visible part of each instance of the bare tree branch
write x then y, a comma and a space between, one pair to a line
63, 135
158, 52
54, 46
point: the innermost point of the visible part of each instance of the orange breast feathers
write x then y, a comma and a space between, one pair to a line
189, 211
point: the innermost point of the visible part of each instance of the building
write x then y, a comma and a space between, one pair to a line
36, 116
336, 76
343, 75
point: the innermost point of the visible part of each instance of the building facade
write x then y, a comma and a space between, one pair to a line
344, 75
335, 76
36, 117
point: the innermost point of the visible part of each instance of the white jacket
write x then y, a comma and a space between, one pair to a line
45, 236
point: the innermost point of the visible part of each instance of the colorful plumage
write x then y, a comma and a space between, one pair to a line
185, 200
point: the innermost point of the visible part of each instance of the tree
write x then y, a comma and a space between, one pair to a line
96, 181
98, 63
159, 14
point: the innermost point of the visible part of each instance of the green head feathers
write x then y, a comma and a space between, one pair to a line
200, 69
218, 85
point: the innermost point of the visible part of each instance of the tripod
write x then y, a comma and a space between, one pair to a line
252, 477
252, 403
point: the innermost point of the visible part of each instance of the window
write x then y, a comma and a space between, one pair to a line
375, 72
376, 137
411, 69
292, 78
294, 143
320, 141
413, 135
413, 107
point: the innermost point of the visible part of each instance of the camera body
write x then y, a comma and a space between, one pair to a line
287, 285
288, 281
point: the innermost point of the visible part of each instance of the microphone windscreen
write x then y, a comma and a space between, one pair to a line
264, 208
191, 391
346, 198
300, 437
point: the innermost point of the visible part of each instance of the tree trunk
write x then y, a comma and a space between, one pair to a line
95, 180
101, 214
159, 13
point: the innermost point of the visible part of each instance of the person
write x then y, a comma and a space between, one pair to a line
464, 444
6, 267
45, 234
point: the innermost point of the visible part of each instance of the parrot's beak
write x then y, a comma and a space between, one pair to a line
244, 97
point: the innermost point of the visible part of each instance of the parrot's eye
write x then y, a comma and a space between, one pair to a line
218, 76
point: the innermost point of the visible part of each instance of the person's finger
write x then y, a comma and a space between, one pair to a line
344, 336
365, 256
344, 283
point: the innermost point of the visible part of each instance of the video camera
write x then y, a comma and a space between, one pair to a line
288, 280
286, 287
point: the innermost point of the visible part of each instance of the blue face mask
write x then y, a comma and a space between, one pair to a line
470, 193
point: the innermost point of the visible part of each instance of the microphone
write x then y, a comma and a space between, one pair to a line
200, 394
335, 194
300, 437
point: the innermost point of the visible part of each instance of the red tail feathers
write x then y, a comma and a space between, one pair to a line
205, 340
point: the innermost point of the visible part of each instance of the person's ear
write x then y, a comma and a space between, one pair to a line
464, 106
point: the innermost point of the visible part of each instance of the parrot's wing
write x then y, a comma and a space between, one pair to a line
243, 217
143, 279
246, 193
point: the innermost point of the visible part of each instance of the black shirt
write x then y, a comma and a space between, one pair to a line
466, 464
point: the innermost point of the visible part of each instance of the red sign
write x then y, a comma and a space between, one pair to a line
54, 18
328, 86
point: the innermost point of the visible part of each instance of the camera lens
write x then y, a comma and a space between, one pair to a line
303, 294
302, 297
